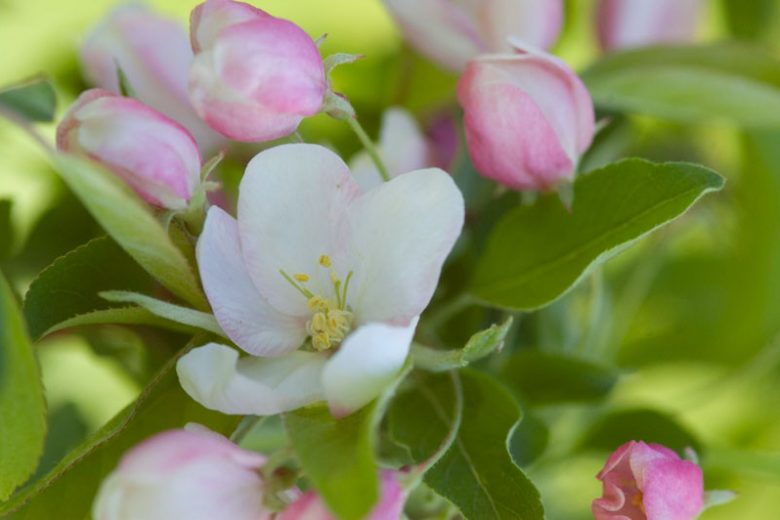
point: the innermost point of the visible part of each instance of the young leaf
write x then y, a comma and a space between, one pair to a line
71, 486
618, 427
33, 99
478, 346
69, 287
546, 378
128, 221
477, 473
22, 407
724, 81
338, 456
168, 311
536, 254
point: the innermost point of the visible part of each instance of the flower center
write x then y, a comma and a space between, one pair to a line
331, 318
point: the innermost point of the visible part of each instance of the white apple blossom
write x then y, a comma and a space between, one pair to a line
319, 281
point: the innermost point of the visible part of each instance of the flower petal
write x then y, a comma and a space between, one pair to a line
215, 377
243, 314
673, 490
368, 361
290, 211
401, 233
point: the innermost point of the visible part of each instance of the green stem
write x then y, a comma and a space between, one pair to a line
245, 426
354, 124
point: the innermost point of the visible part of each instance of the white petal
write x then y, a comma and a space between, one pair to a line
402, 232
367, 362
291, 210
215, 377
243, 314
402, 146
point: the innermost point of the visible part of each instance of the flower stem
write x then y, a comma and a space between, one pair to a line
354, 124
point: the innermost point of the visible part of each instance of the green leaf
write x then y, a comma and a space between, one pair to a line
438, 397
71, 486
547, 378
338, 456
726, 81
168, 311
528, 440
478, 346
621, 426
477, 473
6, 229
129, 222
69, 287
536, 254
33, 99
22, 407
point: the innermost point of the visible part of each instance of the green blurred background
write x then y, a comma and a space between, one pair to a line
695, 310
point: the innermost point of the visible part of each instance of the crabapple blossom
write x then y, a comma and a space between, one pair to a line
452, 33
152, 153
623, 24
187, 473
154, 54
320, 281
402, 147
527, 117
649, 482
310, 506
254, 77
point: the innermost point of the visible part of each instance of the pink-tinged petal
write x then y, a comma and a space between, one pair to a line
442, 134
208, 19
155, 155
402, 147
184, 474
536, 22
625, 24
442, 30
673, 490
215, 377
291, 210
365, 364
643, 456
256, 76
451, 33
243, 314
402, 231
154, 54
311, 507
528, 118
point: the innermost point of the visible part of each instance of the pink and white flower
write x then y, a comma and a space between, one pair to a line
255, 77
528, 118
649, 482
190, 473
402, 147
314, 260
451, 33
154, 54
624, 24
390, 507
152, 153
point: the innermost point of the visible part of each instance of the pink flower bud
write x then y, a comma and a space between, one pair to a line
255, 77
311, 507
528, 118
451, 33
649, 482
154, 55
634, 23
193, 474
155, 155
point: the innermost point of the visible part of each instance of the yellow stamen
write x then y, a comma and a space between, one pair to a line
325, 261
301, 277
